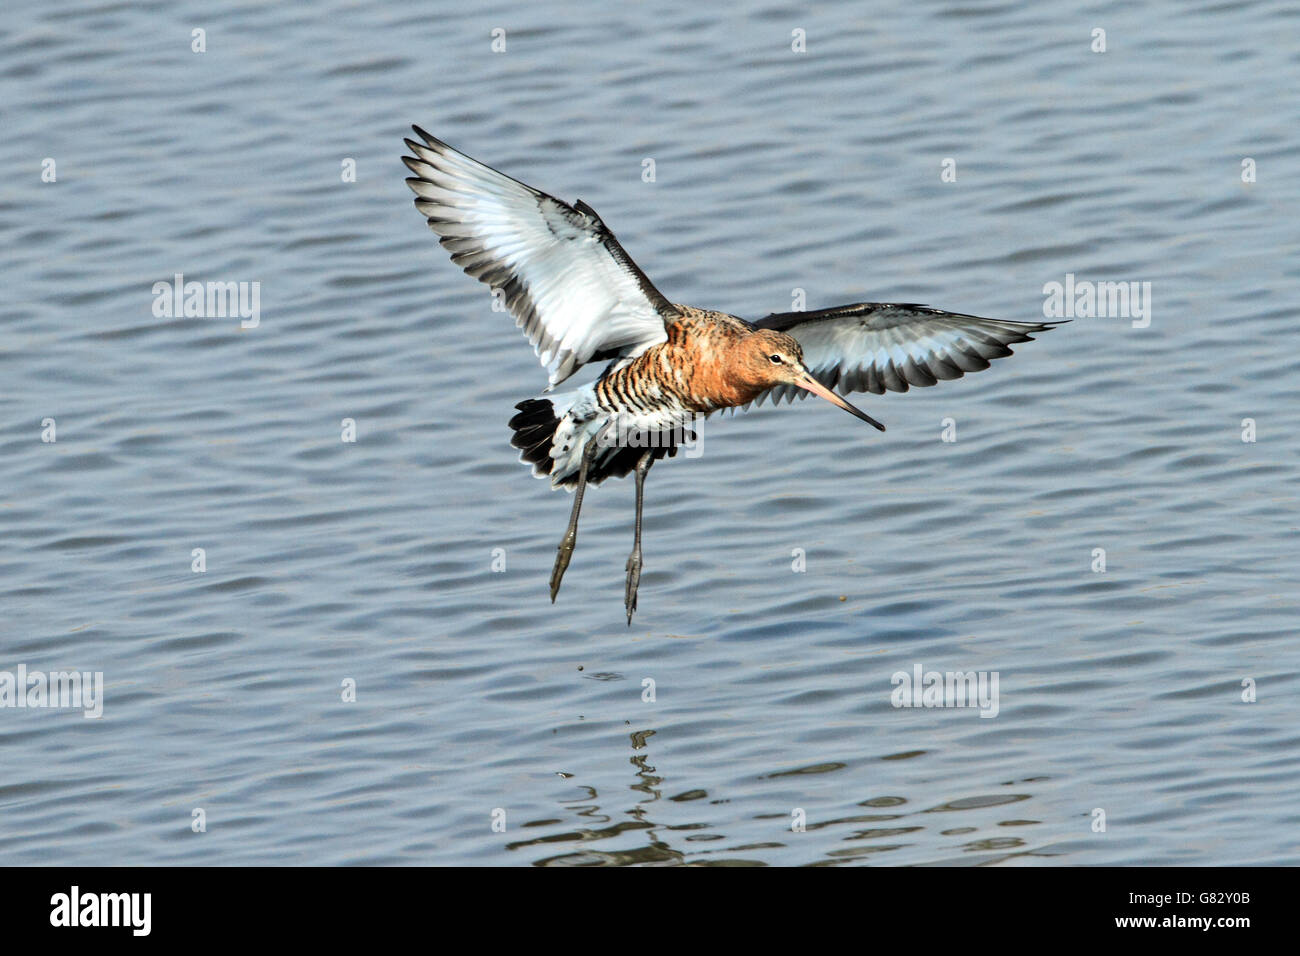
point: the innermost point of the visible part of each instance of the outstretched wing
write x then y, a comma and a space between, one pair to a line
874, 346
570, 286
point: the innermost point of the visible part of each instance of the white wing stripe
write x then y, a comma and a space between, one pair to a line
876, 347
563, 276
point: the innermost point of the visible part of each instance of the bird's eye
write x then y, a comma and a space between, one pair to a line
776, 359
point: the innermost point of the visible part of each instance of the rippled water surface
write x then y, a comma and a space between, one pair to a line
327, 561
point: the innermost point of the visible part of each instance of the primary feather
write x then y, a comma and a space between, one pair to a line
880, 346
564, 277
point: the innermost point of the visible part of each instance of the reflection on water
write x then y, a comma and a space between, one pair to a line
585, 823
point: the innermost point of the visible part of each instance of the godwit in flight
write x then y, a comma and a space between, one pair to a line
580, 298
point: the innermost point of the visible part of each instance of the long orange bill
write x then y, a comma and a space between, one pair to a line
820, 390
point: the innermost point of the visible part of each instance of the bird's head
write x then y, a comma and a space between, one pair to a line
770, 358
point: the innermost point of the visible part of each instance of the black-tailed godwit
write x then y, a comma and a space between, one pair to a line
580, 298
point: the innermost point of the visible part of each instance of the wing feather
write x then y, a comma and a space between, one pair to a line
570, 286
882, 346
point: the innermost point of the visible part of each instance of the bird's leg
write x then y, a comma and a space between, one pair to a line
571, 536
634, 559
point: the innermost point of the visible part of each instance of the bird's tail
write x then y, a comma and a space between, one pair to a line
534, 431
542, 422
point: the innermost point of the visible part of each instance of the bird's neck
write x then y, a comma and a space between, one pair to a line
714, 376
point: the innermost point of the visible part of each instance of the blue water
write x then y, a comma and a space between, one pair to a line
372, 561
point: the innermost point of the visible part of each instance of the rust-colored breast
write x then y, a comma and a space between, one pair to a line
694, 370
703, 344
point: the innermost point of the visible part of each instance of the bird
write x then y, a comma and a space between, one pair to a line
580, 299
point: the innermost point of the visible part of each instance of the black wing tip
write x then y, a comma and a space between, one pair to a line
1034, 328
430, 142
428, 138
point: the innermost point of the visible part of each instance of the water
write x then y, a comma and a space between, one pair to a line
372, 561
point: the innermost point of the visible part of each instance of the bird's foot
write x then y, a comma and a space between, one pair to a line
562, 557
633, 579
